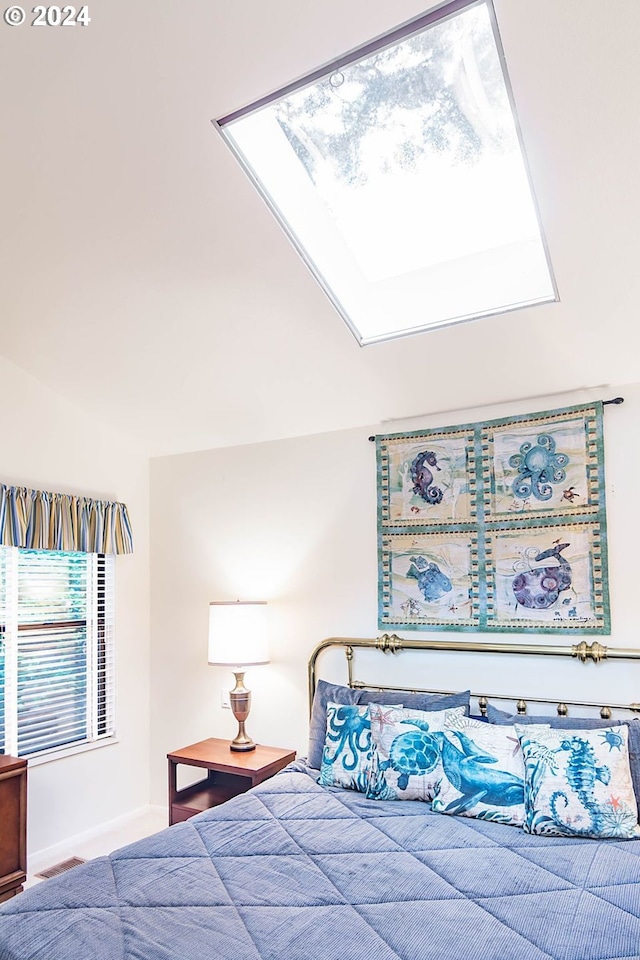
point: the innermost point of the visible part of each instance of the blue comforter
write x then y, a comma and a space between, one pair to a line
293, 870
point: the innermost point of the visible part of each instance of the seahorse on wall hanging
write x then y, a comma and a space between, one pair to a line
422, 477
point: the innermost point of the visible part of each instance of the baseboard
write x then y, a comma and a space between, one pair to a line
41, 859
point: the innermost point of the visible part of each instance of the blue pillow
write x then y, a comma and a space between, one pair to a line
417, 701
580, 723
335, 693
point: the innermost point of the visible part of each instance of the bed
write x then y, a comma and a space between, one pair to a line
294, 869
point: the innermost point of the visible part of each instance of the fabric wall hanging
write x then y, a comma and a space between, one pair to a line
495, 526
39, 520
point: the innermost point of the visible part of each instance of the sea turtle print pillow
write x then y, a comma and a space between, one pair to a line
406, 763
578, 782
482, 772
348, 748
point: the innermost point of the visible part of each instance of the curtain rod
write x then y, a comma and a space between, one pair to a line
615, 400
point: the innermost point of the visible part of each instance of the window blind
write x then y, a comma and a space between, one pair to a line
56, 673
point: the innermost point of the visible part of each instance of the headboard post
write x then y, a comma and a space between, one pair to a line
348, 652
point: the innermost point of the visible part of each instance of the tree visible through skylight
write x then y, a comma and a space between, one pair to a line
400, 178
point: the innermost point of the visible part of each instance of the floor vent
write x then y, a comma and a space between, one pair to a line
60, 868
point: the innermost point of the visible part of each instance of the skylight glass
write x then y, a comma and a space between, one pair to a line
399, 176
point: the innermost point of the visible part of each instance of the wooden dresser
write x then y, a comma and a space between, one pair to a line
13, 826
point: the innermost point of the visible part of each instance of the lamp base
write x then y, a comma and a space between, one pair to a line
240, 700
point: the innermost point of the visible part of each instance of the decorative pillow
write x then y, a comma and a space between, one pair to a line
578, 782
325, 692
407, 762
335, 693
348, 748
571, 723
483, 772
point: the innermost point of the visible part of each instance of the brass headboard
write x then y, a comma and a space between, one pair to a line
391, 643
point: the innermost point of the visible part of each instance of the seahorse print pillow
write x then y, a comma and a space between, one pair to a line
482, 772
578, 782
406, 762
348, 749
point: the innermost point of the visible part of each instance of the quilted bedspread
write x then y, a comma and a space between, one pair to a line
293, 870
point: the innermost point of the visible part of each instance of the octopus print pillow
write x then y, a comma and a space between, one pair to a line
348, 748
482, 772
578, 782
406, 763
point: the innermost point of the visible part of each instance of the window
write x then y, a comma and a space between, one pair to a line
399, 175
56, 650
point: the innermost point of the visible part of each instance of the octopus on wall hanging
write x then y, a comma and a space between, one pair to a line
495, 526
539, 466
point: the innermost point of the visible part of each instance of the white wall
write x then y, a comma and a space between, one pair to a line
50, 444
294, 522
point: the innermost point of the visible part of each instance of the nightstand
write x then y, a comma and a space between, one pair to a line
229, 773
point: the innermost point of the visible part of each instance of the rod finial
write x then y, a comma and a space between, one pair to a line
389, 643
589, 651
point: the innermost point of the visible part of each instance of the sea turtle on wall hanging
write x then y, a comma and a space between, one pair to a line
432, 582
540, 588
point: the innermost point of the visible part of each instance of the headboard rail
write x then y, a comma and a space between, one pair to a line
391, 643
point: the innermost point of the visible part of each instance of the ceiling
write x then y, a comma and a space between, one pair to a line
143, 278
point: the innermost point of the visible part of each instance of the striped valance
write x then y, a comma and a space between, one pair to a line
39, 520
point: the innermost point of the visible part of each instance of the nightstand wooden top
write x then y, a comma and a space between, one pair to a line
217, 754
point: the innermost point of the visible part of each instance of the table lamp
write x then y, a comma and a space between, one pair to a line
238, 638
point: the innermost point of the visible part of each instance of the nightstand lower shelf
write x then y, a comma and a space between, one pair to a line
207, 793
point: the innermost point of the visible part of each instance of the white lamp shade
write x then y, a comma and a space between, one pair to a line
238, 633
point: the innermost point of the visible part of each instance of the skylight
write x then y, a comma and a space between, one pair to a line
398, 174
